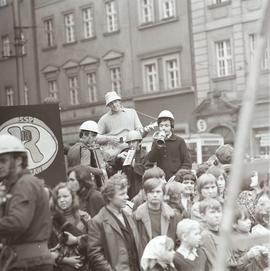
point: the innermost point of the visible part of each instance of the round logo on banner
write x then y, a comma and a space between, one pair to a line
38, 139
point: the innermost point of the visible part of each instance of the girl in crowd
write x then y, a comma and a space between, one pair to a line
220, 175
188, 179
158, 254
70, 228
80, 181
206, 188
249, 198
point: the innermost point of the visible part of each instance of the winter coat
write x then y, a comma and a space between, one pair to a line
169, 220
172, 157
92, 202
27, 219
107, 249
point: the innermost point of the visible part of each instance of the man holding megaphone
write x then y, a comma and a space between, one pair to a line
168, 150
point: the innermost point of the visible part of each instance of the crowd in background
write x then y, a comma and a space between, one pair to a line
150, 212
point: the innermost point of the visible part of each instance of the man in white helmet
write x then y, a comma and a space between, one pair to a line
25, 222
80, 153
118, 120
172, 153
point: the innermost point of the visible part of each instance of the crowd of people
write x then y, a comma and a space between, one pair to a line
132, 211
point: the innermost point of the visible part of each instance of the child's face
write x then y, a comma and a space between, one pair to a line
64, 198
209, 190
221, 182
189, 187
243, 225
193, 238
155, 196
212, 216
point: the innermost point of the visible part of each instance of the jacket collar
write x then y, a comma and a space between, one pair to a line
172, 137
142, 214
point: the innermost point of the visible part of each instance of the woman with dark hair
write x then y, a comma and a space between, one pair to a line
70, 228
80, 181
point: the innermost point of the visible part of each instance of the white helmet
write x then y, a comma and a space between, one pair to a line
9, 143
166, 114
111, 96
133, 135
89, 125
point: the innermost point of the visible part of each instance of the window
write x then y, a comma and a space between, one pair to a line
23, 41
172, 72
49, 35
69, 27
252, 43
265, 65
73, 90
266, 57
219, 1
116, 79
52, 88
26, 94
146, 11
150, 74
111, 16
88, 23
3, 3
9, 96
92, 86
6, 46
224, 58
167, 9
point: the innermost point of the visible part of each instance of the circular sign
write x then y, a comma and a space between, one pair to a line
201, 125
38, 139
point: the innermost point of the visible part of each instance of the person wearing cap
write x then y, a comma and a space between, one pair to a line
137, 165
80, 153
172, 154
25, 224
118, 120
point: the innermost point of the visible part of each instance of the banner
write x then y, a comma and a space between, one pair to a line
39, 128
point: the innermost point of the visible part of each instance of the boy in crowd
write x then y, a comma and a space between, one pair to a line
173, 154
155, 217
189, 256
154, 172
211, 214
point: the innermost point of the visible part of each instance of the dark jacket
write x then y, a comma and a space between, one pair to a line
169, 220
27, 217
92, 202
135, 172
107, 249
172, 157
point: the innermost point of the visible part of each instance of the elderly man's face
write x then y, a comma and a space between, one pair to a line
120, 198
115, 106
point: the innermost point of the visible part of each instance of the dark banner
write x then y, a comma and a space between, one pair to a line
39, 128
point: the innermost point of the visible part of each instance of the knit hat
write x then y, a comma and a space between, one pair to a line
224, 154
111, 96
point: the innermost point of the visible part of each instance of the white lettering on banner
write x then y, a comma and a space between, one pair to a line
38, 139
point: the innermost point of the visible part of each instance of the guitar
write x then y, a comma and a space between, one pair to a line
111, 148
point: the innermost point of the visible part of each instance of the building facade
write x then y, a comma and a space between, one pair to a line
224, 35
19, 79
140, 48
